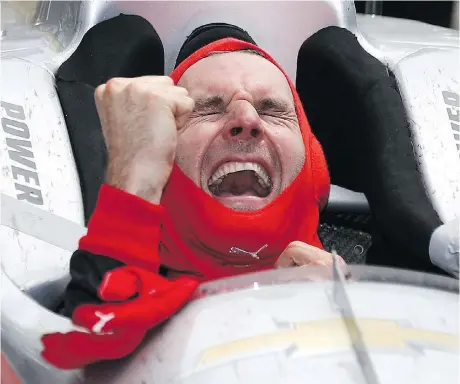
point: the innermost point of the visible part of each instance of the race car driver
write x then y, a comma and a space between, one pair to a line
212, 171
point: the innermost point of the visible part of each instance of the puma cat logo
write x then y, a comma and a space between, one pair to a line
103, 320
252, 254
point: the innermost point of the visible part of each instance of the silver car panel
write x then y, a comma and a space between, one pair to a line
37, 37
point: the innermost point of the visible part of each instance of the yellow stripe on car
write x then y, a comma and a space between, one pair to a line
318, 336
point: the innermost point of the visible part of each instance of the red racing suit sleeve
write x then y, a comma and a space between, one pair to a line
123, 230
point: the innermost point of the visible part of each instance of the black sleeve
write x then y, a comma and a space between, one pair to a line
86, 271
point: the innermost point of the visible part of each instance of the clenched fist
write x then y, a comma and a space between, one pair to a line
138, 118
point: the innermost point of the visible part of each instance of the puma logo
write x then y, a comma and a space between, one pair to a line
103, 320
252, 254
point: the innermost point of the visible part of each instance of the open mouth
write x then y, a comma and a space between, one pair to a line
240, 179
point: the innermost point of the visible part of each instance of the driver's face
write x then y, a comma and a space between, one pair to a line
242, 143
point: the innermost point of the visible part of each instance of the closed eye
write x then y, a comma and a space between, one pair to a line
270, 113
210, 113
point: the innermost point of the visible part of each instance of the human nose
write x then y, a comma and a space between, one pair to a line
244, 124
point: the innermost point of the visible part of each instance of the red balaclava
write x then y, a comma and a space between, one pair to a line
198, 231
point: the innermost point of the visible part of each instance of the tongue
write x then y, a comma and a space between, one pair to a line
243, 183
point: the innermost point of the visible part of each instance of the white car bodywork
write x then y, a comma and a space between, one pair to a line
37, 37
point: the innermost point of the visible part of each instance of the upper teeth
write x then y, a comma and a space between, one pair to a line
231, 167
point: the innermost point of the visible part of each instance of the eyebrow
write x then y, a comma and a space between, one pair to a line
266, 104
272, 104
209, 103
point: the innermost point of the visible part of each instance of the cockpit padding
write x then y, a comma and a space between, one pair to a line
356, 111
133, 49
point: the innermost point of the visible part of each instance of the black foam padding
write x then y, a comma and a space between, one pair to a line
349, 243
355, 109
356, 221
209, 33
125, 46
88, 146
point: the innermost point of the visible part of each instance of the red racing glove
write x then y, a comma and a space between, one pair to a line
116, 329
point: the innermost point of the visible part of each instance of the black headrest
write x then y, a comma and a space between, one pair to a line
124, 46
355, 109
